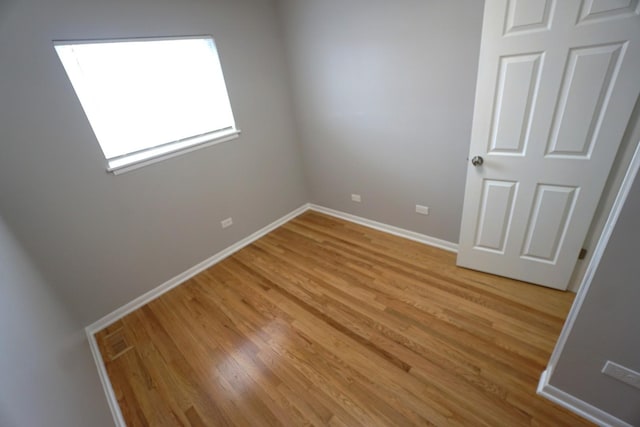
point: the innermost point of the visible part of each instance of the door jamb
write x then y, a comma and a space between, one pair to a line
598, 252
619, 169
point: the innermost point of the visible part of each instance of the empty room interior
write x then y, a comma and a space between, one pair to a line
319, 212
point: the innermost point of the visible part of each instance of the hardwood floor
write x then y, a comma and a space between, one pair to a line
324, 322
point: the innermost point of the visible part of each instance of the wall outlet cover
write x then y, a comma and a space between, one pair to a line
621, 373
356, 198
424, 210
226, 222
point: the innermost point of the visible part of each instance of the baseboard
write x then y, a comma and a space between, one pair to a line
396, 231
186, 275
118, 419
580, 407
155, 293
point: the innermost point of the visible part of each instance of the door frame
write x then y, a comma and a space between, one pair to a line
622, 165
619, 183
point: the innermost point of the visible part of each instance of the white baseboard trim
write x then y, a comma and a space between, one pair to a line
186, 275
580, 407
397, 231
118, 419
544, 388
155, 293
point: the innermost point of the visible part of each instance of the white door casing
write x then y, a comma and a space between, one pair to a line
557, 82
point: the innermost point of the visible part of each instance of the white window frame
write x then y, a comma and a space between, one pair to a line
162, 151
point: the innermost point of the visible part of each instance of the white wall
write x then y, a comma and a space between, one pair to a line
608, 324
384, 96
47, 374
102, 240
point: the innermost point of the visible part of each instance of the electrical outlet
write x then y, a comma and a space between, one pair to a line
424, 210
226, 222
621, 373
356, 198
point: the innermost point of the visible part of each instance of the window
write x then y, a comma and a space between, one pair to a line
150, 99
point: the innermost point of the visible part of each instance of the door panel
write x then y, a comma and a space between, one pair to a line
603, 9
519, 76
527, 15
557, 81
553, 208
495, 215
586, 91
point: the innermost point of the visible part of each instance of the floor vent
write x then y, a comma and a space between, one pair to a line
116, 344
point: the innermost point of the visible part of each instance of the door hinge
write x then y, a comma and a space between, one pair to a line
583, 253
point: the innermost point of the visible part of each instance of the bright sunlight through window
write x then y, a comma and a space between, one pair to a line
150, 99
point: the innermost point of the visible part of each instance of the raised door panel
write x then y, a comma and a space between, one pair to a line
589, 79
518, 83
594, 10
496, 209
524, 16
551, 213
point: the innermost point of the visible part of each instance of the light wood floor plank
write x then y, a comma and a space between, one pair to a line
327, 323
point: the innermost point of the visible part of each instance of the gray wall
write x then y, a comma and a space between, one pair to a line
384, 96
102, 240
48, 375
608, 324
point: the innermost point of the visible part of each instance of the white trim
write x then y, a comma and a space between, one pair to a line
623, 193
544, 388
119, 313
580, 407
155, 293
62, 42
118, 419
153, 155
186, 275
396, 231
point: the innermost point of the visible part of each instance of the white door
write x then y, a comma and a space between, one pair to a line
557, 82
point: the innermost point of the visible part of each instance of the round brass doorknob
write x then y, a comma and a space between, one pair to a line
477, 161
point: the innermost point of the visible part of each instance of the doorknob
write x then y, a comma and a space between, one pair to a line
477, 161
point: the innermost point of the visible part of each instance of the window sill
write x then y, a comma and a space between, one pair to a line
134, 161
